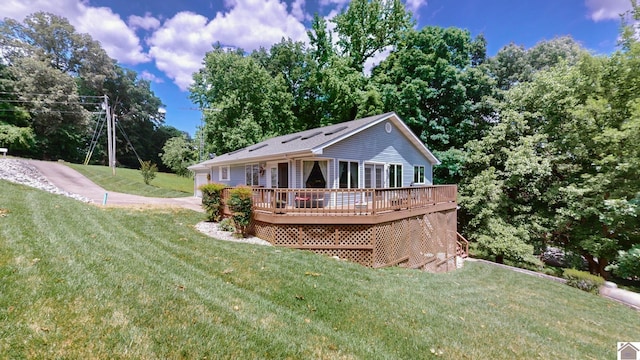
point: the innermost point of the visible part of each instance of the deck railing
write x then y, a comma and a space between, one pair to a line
346, 202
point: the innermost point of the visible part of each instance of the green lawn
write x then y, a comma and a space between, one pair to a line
130, 181
85, 282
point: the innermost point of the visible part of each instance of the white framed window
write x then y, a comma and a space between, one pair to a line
223, 173
252, 174
395, 175
418, 174
373, 175
349, 174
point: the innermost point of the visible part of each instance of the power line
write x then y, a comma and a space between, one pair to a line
37, 94
32, 101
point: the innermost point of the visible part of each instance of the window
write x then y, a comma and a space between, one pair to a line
252, 174
349, 175
418, 174
395, 175
223, 173
373, 175
314, 174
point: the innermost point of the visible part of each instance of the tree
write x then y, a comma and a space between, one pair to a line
57, 116
52, 39
431, 81
47, 61
565, 165
138, 115
367, 27
514, 64
250, 104
178, 153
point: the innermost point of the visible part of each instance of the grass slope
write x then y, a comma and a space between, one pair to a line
80, 281
130, 181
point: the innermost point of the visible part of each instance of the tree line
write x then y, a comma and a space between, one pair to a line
52, 86
541, 141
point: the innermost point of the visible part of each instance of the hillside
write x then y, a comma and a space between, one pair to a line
82, 281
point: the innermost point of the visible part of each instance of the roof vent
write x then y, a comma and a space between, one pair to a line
311, 135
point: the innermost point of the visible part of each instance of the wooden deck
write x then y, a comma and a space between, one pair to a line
413, 227
349, 206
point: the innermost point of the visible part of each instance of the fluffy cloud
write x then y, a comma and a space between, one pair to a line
180, 44
118, 40
600, 10
150, 77
147, 22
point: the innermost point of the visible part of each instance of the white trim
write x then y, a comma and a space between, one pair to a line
337, 174
389, 165
376, 164
424, 174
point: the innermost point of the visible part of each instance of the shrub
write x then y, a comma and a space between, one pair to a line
212, 201
627, 265
226, 225
241, 204
148, 171
583, 280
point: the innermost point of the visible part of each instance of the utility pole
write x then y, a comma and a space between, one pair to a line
111, 136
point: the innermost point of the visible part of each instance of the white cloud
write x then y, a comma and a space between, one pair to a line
415, 5
297, 10
180, 44
150, 77
600, 10
120, 42
147, 22
117, 39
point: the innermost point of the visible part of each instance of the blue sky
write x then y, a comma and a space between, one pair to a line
165, 41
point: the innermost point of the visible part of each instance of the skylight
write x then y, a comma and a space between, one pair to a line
258, 147
311, 135
291, 139
336, 130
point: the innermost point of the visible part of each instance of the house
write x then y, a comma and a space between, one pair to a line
333, 189
373, 152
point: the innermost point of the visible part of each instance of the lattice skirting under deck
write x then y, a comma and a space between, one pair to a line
427, 241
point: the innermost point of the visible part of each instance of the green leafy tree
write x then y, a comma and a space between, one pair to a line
179, 153
48, 62
148, 170
367, 27
433, 80
138, 116
250, 104
514, 64
57, 117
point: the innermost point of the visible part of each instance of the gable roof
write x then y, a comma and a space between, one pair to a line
312, 142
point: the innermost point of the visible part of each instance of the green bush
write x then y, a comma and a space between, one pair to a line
226, 225
241, 206
212, 201
148, 171
583, 280
627, 265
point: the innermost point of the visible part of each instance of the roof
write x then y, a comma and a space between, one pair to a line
312, 142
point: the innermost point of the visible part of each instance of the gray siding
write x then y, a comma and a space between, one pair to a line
376, 145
